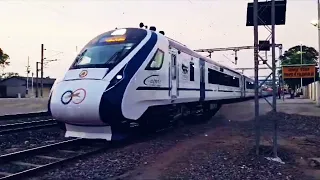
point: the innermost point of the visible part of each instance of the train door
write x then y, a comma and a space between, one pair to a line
174, 76
202, 80
243, 86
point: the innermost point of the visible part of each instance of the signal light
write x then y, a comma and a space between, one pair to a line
264, 46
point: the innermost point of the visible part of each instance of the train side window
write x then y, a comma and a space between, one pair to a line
157, 61
249, 85
191, 71
173, 66
215, 77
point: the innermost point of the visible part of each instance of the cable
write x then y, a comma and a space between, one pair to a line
228, 58
52, 55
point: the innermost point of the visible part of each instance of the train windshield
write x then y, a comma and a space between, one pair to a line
108, 49
107, 55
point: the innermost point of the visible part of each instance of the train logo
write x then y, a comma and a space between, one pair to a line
76, 97
83, 74
184, 69
152, 80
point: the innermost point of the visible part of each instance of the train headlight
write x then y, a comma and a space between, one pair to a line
116, 79
119, 76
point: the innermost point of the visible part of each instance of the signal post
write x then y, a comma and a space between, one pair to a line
264, 14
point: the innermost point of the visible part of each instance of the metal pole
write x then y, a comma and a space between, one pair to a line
32, 84
282, 79
28, 76
235, 57
41, 92
37, 77
301, 63
318, 90
314, 80
274, 100
256, 73
282, 83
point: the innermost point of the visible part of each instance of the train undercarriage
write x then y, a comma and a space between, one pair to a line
164, 116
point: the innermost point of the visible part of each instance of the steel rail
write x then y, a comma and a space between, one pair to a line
23, 126
13, 158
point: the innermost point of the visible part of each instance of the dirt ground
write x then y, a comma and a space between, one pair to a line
191, 158
195, 152
172, 158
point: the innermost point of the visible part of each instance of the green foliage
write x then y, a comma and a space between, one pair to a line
4, 59
293, 56
8, 75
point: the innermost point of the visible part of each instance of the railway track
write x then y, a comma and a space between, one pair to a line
29, 162
26, 115
23, 126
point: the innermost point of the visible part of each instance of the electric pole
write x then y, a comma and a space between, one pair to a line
318, 26
42, 49
32, 84
37, 79
28, 71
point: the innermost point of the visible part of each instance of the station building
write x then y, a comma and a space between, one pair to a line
16, 86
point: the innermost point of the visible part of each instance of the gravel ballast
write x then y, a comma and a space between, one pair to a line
22, 120
238, 160
220, 149
30, 139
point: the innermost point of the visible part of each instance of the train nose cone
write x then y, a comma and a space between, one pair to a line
77, 102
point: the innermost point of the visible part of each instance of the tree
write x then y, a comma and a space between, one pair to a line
8, 75
3, 62
4, 59
293, 56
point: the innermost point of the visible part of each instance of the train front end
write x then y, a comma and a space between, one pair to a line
81, 100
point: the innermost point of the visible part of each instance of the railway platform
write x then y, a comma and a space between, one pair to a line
244, 111
301, 106
9, 106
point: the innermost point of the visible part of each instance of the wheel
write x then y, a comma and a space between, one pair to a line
206, 115
146, 127
214, 111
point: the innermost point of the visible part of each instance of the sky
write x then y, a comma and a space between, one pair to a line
64, 26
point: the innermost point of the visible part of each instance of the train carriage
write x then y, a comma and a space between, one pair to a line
132, 75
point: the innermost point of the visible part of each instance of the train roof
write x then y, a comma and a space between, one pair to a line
181, 47
186, 50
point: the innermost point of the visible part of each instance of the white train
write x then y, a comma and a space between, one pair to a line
137, 76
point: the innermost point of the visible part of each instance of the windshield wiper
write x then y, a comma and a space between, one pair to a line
113, 58
80, 56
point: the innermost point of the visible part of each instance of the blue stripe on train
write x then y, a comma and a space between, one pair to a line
202, 80
110, 104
